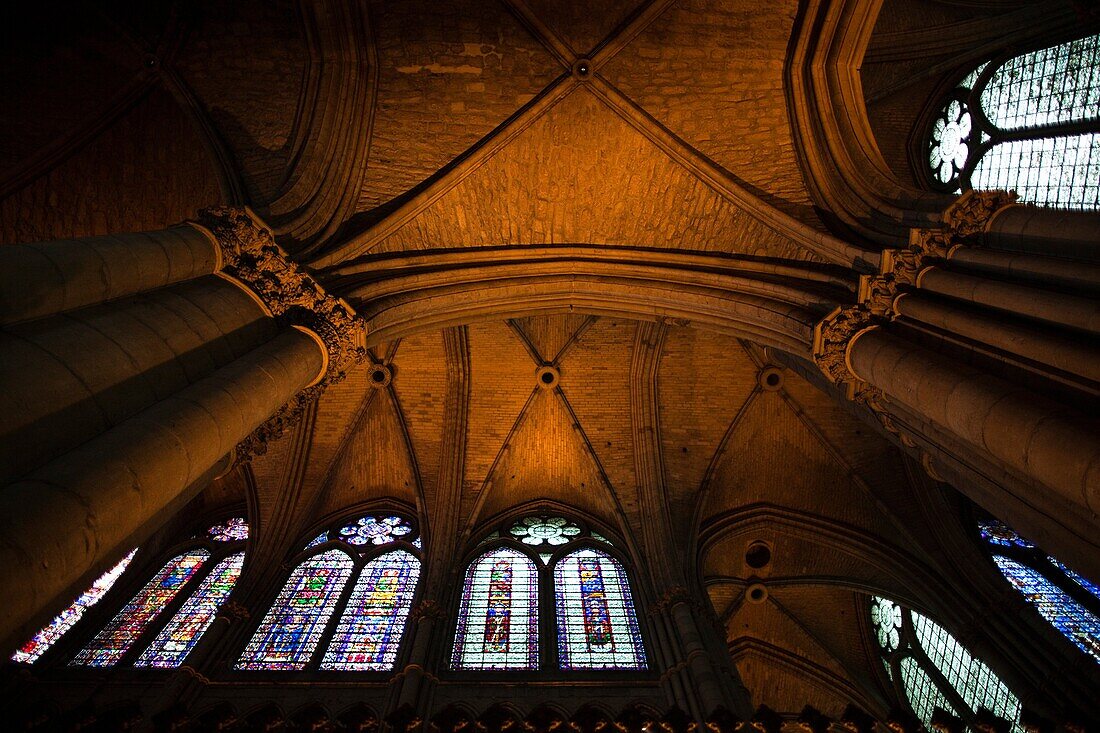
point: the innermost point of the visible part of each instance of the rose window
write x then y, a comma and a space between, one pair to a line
375, 530
949, 143
552, 530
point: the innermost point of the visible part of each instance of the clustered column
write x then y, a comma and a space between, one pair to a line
976, 348
132, 366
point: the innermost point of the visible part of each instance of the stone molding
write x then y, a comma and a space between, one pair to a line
294, 298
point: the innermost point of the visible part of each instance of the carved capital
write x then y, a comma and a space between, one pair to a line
831, 339
970, 214
251, 256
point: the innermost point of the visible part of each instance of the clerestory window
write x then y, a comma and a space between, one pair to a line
1067, 600
1029, 123
161, 624
547, 567
359, 625
932, 671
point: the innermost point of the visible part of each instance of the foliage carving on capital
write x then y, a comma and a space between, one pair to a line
832, 335
234, 612
251, 256
972, 211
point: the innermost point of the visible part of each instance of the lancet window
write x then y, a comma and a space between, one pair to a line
540, 572
162, 622
932, 671
1028, 122
359, 624
1067, 600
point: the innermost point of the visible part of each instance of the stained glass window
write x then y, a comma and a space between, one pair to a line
48, 636
373, 621
1029, 135
232, 530
919, 647
292, 628
115, 639
375, 530
1067, 615
597, 628
1050, 586
539, 530
323, 537
498, 618
180, 635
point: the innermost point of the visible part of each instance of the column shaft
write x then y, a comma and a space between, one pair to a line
1045, 305
108, 489
44, 278
1053, 270
1049, 232
1075, 356
1027, 434
69, 377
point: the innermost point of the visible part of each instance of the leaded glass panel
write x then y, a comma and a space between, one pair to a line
536, 531
924, 696
375, 530
886, 617
971, 678
1050, 171
232, 530
48, 636
370, 629
112, 642
1077, 578
498, 617
292, 628
597, 628
1065, 614
180, 635
1044, 87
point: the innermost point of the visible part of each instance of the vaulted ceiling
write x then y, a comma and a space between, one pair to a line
370, 132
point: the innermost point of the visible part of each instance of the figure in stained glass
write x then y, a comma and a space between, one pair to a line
370, 629
498, 616
180, 635
597, 627
112, 642
292, 628
1047, 584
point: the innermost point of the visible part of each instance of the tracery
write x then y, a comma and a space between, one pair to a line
593, 609
1067, 600
931, 670
187, 575
1030, 123
369, 622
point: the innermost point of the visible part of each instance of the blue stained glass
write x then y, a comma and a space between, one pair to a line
1077, 578
180, 635
375, 530
373, 621
323, 537
597, 627
292, 628
48, 636
232, 530
998, 533
498, 618
123, 630
1065, 614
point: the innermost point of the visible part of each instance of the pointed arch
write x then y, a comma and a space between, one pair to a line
116, 638
290, 632
597, 625
179, 636
498, 617
373, 622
